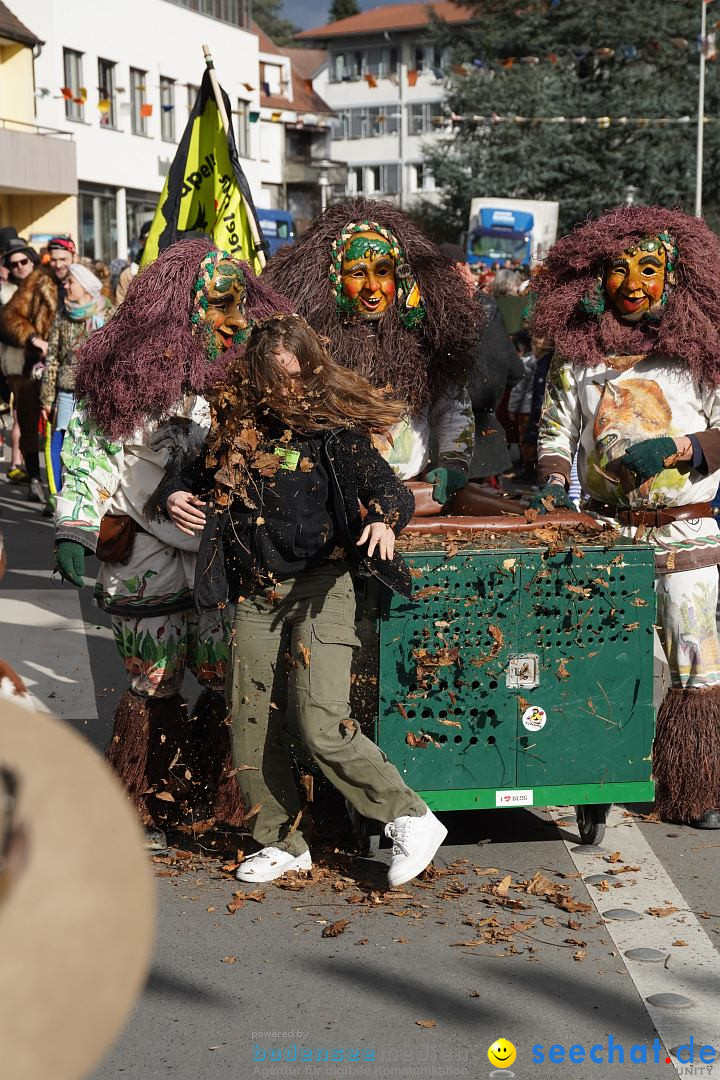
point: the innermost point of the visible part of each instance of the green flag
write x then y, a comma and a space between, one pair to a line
206, 190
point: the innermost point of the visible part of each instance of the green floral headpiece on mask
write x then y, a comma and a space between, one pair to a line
408, 298
223, 262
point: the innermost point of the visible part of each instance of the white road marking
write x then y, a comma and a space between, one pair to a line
43, 631
692, 970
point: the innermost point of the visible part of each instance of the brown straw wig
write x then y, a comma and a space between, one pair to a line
146, 357
688, 329
418, 363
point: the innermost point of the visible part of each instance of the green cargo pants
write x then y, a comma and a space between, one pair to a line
290, 661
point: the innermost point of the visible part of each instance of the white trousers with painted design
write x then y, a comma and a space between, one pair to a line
686, 606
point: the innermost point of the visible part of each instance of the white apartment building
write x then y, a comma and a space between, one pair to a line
386, 81
123, 77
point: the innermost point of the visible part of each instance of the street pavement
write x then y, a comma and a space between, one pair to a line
418, 982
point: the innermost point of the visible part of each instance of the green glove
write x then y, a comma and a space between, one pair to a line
647, 458
445, 483
555, 493
70, 561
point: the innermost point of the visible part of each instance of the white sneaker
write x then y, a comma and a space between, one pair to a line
415, 841
37, 491
271, 863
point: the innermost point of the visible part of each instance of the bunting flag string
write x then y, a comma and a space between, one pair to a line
599, 121
625, 51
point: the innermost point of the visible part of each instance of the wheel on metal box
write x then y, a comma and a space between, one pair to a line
591, 822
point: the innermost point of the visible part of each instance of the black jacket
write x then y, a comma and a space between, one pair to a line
496, 366
356, 473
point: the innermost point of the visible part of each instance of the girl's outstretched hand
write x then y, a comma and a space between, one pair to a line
380, 536
182, 506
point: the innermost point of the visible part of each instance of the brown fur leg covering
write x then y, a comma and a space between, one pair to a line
150, 735
213, 759
686, 756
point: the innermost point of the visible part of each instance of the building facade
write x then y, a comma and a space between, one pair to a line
38, 177
296, 127
122, 79
386, 81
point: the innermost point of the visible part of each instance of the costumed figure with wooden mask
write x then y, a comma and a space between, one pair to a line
632, 304
393, 309
141, 415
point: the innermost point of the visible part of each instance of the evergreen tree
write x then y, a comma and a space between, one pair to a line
571, 58
266, 14
343, 9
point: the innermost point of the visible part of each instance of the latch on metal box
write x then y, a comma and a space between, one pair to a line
523, 672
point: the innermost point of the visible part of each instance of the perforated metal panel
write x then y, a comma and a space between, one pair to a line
457, 710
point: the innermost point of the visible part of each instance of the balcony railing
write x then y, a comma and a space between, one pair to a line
33, 129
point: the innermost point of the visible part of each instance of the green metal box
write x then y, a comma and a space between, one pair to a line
520, 677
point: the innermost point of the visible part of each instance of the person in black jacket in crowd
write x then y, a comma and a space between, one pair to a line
496, 367
290, 460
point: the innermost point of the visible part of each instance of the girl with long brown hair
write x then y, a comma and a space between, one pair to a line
290, 461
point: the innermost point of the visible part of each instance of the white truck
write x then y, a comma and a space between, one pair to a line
521, 230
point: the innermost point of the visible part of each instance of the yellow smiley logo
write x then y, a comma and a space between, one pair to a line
502, 1053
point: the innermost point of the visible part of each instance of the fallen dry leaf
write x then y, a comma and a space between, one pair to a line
579, 955
679, 942
304, 654
336, 928
562, 671
501, 888
165, 796
229, 960
661, 912
428, 590
426, 1023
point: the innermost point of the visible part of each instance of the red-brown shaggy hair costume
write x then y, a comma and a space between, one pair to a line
139, 365
689, 327
418, 363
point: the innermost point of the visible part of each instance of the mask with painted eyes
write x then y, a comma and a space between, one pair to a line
219, 303
636, 280
368, 274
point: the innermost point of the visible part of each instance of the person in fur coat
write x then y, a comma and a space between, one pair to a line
25, 322
394, 310
631, 302
139, 383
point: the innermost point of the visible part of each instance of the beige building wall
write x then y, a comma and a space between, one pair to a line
38, 214
17, 86
30, 164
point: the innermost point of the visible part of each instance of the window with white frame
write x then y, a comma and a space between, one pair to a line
431, 58
424, 117
382, 179
107, 93
421, 178
167, 109
353, 64
192, 93
368, 123
73, 89
243, 128
138, 119
355, 180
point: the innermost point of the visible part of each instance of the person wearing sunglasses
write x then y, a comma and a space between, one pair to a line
25, 322
18, 260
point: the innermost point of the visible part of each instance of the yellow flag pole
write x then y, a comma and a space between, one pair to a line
259, 253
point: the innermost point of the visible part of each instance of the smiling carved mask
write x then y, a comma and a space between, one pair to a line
219, 303
635, 280
368, 274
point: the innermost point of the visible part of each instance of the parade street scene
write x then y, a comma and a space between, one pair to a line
359, 539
